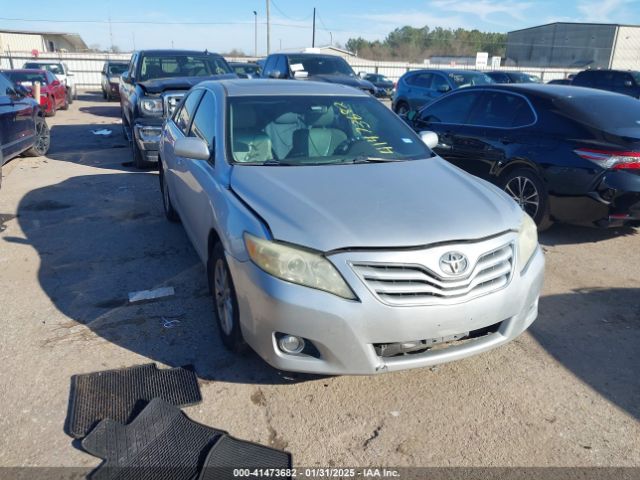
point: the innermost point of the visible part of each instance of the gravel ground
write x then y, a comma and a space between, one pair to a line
79, 230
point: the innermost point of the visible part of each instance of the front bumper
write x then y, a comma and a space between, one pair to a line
147, 137
345, 332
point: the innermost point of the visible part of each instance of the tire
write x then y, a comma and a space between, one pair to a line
225, 302
402, 108
167, 205
528, 190
104, 95
65, 105
138, 159
43, 139
69, 96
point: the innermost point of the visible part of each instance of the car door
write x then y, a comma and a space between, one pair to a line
495, 132
198, 176
18, 126
420, 92
447, 117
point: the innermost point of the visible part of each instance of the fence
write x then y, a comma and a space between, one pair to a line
87, 66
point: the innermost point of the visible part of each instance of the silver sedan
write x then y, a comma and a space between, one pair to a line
335, 241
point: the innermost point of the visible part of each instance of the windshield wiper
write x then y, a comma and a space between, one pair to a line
368, 159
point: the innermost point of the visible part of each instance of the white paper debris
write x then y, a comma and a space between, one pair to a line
395, 413
104, 131
166, 323
146, 295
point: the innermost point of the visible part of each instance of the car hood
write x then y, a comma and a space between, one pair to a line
399, 204
159, 85
343, 80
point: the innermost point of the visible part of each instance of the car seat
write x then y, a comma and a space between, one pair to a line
281, 130
321, 138
250, 144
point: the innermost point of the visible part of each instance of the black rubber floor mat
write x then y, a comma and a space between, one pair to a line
229, 454
121, 394
160, 443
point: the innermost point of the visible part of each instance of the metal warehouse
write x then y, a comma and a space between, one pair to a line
26, 41
575, 45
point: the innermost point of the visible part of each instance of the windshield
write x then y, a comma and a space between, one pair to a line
320, 65
318, 130
26, 78
54, 68
618, 114
464, 79
167, 66
116, 69
247, 69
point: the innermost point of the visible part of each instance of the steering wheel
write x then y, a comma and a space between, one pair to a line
346, 146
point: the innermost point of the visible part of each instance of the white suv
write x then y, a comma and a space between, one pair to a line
62, 73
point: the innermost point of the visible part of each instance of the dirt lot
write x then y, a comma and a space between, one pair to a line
78, 231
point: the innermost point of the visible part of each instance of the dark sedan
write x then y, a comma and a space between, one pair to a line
384, 86
564, 153
502, 76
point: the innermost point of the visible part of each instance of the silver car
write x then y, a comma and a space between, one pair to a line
335, 240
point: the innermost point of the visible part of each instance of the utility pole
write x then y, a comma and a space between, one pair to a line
255, 34
110, 35
268, 30
313, 39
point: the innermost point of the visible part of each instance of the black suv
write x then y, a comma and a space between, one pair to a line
23, 129
619, 81
314, 66
151, 89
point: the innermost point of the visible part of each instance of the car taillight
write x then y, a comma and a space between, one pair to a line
611, 159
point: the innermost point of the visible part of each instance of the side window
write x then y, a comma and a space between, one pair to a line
282, 66
423, 80
204, 121
439, 83
6, 89
50, 77
453, 109
184, 115
502, 110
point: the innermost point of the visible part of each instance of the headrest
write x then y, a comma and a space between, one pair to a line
320, 118
288, 118
244, 116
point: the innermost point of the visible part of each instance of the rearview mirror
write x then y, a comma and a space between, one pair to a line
429, 138
193, 148
444, 88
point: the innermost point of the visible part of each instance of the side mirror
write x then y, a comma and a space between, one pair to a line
429, 138
192, 148
300, 74
444, 88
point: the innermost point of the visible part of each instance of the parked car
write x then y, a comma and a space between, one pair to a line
564, 153
112, 70
23, 129
619, 81
502, 76
53, 94
420, 87
152, 88
384, 86
335, 241
62, 73
246, 69
316, 67
559, 81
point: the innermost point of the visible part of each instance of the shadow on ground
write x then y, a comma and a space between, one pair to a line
111, 110
562, 234
595, 334
102, 236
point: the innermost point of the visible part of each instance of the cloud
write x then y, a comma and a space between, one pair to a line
412, 18
485, 9
604, 10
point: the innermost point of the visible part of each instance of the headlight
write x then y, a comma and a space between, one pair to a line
151, 106
527, 241
296, 266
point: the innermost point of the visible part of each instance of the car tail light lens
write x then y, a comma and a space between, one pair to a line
611, 159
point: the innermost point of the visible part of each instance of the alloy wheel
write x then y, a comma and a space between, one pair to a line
223, 299
41, 145
525, 193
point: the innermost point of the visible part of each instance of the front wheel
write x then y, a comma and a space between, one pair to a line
69, 96
402, 108
528, 190
42, 139
167, 205
225, 302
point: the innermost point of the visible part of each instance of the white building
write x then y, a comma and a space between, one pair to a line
20, 41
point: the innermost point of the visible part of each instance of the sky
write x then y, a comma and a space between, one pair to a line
222, 25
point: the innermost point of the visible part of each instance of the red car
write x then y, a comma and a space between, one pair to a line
53, 94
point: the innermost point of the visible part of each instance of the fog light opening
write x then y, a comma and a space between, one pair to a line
291, 344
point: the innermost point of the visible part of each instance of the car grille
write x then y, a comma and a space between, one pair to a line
171, 102
407, 285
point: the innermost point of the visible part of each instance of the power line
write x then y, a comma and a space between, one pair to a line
287, 16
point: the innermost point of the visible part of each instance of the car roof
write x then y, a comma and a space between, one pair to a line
45, 62
24, 70
123, 62
170, 51
542, 90
604, 70
244, 63
444, 70
266, 87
